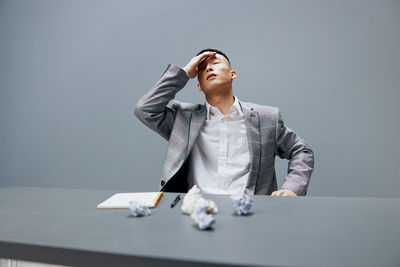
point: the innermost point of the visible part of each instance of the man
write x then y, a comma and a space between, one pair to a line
225, 146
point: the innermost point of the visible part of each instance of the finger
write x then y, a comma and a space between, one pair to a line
206, 55
277, 193
203, 57
290, 193
281, 192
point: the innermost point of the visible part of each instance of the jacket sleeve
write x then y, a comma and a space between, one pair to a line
152, 109
301, 158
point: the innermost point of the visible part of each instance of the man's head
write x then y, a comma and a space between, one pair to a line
214, 73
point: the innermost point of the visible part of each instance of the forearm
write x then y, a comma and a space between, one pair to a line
300, 168
301, 158
152, 108
155, 101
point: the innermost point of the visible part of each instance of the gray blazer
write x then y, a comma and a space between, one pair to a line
180, 123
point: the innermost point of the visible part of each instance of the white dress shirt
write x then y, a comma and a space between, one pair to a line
220, 160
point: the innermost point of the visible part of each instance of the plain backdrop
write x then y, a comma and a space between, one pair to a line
71, 73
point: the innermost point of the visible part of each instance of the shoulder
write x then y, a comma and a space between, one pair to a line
261, 109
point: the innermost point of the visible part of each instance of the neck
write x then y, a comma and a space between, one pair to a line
221, 101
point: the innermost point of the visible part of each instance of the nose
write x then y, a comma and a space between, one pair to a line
209, 68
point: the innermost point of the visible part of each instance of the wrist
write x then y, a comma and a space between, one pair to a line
186, 70
189, 71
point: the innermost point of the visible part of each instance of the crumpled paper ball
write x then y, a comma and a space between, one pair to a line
194, 198
242, 203
138, 209
203, 220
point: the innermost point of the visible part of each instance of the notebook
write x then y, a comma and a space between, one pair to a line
121, 200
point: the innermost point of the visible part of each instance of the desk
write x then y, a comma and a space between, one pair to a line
62, 226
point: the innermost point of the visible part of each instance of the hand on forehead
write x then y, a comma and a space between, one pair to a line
211, 59
206, 60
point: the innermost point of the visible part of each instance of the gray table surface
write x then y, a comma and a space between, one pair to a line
62, 226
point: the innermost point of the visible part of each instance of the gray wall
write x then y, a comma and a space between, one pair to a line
72, 71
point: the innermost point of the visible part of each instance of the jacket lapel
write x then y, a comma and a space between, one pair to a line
254, 142
196, 122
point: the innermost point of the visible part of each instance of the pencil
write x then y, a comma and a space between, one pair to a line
158, 198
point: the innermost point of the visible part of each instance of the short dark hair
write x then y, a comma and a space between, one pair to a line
214, 50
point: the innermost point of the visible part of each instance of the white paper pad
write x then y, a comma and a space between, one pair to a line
121, 200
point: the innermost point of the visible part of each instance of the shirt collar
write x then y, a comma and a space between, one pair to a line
234, 111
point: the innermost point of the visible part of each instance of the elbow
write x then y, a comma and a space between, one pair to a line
305, 153
138, 111
307, 156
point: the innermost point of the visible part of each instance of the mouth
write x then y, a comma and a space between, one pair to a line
210, 76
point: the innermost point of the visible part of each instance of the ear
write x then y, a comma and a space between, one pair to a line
233, 74
198, 86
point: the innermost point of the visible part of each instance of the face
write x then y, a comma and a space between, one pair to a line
214, 73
